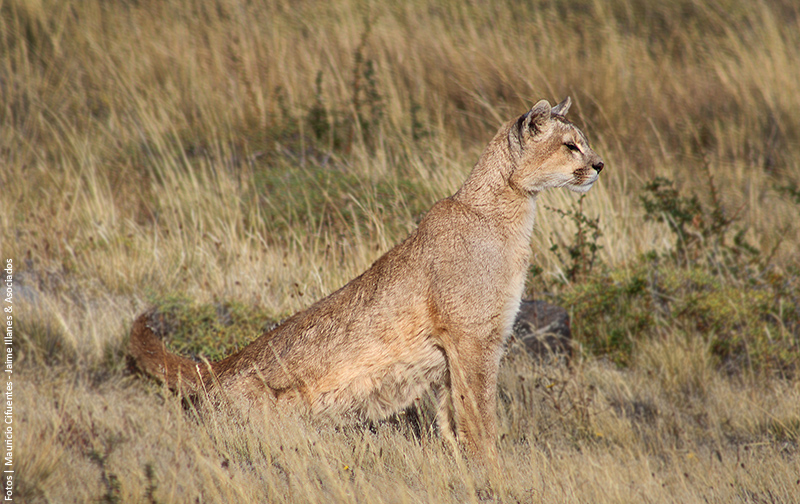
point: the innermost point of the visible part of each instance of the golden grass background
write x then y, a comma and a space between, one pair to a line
267, 152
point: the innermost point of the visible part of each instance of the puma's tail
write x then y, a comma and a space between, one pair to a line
148, 354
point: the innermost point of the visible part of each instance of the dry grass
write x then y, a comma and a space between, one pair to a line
592, 434
267, 152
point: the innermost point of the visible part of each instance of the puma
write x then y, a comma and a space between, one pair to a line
434, 312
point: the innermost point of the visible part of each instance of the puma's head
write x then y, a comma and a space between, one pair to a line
550, 151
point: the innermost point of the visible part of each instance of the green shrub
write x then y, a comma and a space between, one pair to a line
746, 324
713, 285
213, 330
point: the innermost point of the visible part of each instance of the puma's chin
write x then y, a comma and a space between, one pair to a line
581, 188
583, 185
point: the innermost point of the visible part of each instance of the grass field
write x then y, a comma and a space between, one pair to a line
248, 157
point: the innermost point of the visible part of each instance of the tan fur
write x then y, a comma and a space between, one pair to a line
433, 312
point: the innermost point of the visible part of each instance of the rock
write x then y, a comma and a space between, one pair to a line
544, 330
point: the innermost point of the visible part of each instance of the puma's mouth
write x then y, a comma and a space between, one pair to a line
583, 179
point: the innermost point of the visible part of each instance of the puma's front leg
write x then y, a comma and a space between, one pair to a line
473, 367
444, 412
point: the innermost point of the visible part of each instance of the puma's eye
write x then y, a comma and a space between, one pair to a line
571, 146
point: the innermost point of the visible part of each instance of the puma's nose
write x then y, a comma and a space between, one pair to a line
598, 166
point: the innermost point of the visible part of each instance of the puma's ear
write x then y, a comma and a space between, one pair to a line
536, 117
563, 107
540, 112
533, 122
